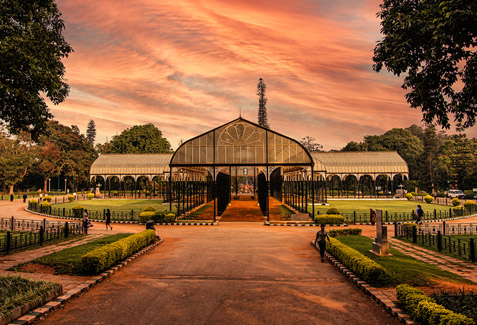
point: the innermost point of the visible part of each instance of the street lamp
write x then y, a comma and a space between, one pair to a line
65, 183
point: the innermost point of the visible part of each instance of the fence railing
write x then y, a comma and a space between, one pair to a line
18, 234
449, 228
460, 247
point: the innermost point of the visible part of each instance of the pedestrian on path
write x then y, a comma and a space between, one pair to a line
108, 219
11, 197
321, 237
24, 198
86, 223
419, 214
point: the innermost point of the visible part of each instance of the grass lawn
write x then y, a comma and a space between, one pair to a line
400, 267
66, 260
16, 291
117, 205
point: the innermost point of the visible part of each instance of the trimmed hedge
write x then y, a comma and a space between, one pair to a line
455, 202
100, 259
468, 204
364, 267
428, 199
333, 211
45, 207
90, 196
47, 199
148, 208
425, 310
146, 215
409, 196
344, 232
158, 217
71, 197
331, 219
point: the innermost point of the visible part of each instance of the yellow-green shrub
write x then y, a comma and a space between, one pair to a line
455, 202
149, 208
409, 196
71, 198
47, 199
469, 204
102, 258
77, 210
170, 217
425, 310
146, 215
364, 267
33, 201
331, 219
45, 207
333, 211
90, 196
428, 199
344, 232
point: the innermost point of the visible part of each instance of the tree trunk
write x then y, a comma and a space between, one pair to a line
11, 189
45, 185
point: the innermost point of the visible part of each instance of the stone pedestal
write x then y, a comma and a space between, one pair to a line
381, 243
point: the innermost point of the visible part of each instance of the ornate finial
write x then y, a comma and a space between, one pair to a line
240, 111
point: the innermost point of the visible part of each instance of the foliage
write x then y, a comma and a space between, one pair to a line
425, 310
455, 202
345, 232
71, 198
432, 43
32, 48
90, 196
285, 212
333, 211
464, 303
310, 144
409, 196
47, 199
428, 199
17, 291
33, 201
469, 204
331, 219
100, 259
91, 132
364, 267
78, 210
262, 104
45, 207
149, 208
469, 194
170, 217
146, 215
140, 139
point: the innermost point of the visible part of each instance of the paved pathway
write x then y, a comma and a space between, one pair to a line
237, 273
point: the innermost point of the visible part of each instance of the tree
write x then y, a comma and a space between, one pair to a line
433, 43
262, 104
140, 139
91, 132
310, 144
31, 47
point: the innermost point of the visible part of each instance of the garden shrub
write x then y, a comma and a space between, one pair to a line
428, 199
115, 193
47, 199
469, 204
330, 219
100, 259
146, 215
90, 196
425, 310
469, 194
364, 267
457, 211
148, 208
409, 196
45, 207
413, 193
170, 217
78, 210
344, 232
455, 202
333, 211
464, 302
71, 198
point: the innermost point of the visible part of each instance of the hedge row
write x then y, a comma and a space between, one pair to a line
344, 232
100, 259
158, 217
364, 267
425, 310
330, 219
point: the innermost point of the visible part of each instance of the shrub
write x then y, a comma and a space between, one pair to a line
115, 193
146, 215
455, 202
331, 219
428, 198
422, 194
409, 196
364, 267
90, 196
469, 204
100, 259
333, 211
344, 232
424, 309
47, 199
77, 210
457, 211
148, 208
170, 217
71, 198
33, 201
469, 194
45, 207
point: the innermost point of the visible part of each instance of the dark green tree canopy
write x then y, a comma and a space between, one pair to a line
140, 139
91, 132
432, 42
31, 49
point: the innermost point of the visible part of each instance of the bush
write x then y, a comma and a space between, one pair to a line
47, 199
115, 193
428, 199
45, 207
345, 232
333, 211
71, 198
148, 208
78, 210
422, 194
409, 196
100, 259
90, 196
469, 204
33, 201
469, 194
424, 309
146, 215
331, 219
455, 202
170, 217
457, 211
364, 267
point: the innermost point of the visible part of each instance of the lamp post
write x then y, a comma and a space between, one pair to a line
49, 184
65, 183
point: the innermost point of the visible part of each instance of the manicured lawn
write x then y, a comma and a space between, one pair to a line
66, 260
117, 205
400, 267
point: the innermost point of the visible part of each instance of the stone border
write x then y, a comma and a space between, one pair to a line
129, 222
268, 223
374, 293
54, 304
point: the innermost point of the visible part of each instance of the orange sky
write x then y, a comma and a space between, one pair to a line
188, 66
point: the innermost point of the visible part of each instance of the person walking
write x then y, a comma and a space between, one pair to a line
24, 198
321, 237
86, 222
11, 197
108, 219
419, 214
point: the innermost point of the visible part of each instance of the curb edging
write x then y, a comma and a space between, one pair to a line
267, 223
59, 301
372, 292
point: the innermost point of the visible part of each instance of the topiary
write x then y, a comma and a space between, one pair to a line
34, 201
170, 217
457, 210
115, 193
146, 215
45, 207
409, 196
77, 210
71, 198
455, 202
47, 199
90, 196
330, 219
333, 211
469, 204
149, 208
428, 198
